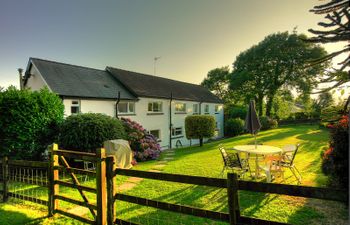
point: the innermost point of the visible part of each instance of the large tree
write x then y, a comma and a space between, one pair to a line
280, 61
217, 81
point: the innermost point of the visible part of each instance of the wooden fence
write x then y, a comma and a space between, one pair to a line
104, 211
19, 174
232, 184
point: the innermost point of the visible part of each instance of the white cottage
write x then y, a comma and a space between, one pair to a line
160, 105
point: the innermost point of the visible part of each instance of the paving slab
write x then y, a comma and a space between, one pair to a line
126, 186
134, 179
159, 166
79, 210
168, 158
154, 171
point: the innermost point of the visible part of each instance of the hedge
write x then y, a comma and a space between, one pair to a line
29, 122
199, 127
88, 131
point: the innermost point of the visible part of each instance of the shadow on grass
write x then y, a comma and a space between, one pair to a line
316, 211
15, 213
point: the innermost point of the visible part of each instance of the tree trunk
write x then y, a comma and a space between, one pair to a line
201, 142
269, 104
259, 103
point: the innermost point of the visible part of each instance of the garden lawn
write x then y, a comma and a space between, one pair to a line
207, 161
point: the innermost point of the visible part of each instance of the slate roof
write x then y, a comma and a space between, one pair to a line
144, 85
77, 81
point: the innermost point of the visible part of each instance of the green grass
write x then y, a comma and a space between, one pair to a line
206, 161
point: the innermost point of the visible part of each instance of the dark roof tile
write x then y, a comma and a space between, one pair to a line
152, 86
77, 81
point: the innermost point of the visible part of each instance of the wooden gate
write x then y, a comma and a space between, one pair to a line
59, 163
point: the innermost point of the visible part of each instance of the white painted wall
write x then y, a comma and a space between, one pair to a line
152, 121
94, 106
148, 120
35, 82
161, 122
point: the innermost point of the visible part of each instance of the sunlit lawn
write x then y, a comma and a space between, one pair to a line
207, 161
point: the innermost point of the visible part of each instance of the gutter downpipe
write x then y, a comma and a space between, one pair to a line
170, 120
116, 105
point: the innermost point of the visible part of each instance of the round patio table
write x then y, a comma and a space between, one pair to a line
258, 150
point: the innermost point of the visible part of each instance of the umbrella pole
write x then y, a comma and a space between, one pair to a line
255, 139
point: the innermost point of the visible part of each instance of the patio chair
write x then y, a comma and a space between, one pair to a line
233, 162
272, 167
288, 157
90, 166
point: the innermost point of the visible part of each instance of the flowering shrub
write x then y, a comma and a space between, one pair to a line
335, 158
143, 144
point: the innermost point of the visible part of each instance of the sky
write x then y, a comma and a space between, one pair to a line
191, 37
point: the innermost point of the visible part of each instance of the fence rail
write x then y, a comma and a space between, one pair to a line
47, 175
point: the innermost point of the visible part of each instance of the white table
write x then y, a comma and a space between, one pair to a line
257, 150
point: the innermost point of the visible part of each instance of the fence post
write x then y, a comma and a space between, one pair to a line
5, 179
111, 189
232, 194
101, 217
53, 176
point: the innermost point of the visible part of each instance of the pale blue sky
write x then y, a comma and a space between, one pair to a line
191, 36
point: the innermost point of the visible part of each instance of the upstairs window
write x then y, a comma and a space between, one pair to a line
75, 107
195, 109
126, 107
176, 131
180, 107
206, 109
218, 108
155, 107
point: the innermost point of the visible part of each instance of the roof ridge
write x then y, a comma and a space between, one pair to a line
68, 64
155, 76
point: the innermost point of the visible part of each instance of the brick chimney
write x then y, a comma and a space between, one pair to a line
20, 72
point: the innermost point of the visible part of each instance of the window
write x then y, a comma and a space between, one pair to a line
218, 108
195, 109
206, 109
126, 107
155, 107
75, 107
176, 131
155, 133
180, 107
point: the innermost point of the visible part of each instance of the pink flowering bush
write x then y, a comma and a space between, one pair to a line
144, 145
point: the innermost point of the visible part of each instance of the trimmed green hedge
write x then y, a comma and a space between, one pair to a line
234, 127
88, 131
199, 127
29, 122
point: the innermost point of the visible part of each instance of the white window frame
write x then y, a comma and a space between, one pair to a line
206, 106
127, 108
176, 129
159, 133
75, 104
218, 108
152, 107
197, 107
182, 105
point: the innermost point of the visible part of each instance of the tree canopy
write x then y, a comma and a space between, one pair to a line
280, 61
217, 81
335, 29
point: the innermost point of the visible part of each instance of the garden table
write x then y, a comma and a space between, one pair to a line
257, 150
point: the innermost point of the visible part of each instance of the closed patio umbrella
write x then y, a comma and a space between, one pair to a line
252, 123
